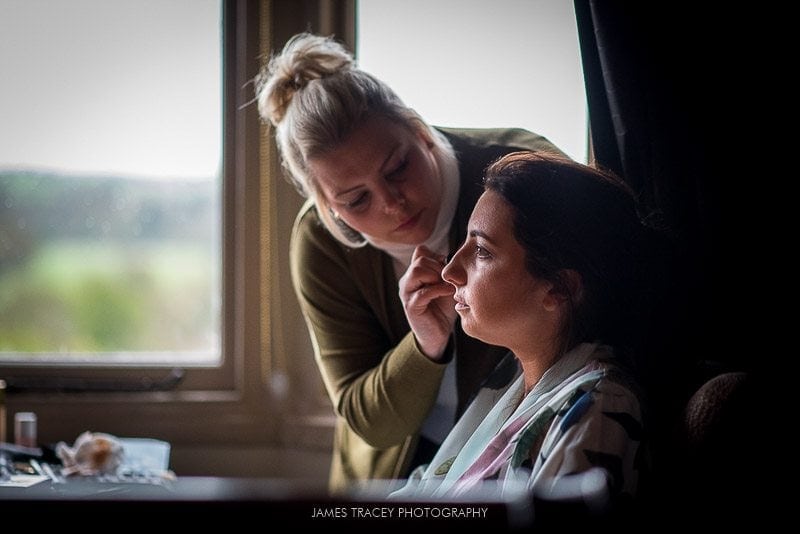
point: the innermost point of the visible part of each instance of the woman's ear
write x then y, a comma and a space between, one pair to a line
569, 288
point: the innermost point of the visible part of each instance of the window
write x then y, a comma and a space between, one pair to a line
508, 63
233, 417
110, 182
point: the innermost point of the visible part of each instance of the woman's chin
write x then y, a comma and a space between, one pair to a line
470, 328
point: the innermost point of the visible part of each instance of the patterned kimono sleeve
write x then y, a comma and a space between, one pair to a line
599, 425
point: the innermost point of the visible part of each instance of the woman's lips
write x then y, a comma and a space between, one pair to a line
409, 223
460, 304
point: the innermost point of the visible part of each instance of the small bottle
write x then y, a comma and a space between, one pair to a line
2, 411
25, 429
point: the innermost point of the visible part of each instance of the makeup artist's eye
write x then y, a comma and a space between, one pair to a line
358, 202
397, 172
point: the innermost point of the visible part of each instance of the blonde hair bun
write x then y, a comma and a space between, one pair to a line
306, 57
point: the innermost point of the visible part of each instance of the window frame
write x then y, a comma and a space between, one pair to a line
232, 394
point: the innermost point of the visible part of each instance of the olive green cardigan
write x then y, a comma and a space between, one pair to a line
381, 385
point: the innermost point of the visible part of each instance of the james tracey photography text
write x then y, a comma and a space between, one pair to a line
399, 512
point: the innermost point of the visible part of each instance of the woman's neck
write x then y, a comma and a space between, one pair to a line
535, 360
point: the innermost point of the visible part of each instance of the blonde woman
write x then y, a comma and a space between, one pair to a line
380, 182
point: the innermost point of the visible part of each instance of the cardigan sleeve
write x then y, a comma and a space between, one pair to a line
383, 392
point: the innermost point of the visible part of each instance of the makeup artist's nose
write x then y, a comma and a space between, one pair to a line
393, 198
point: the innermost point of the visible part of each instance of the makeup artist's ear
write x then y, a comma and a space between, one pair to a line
425, 135
568, 288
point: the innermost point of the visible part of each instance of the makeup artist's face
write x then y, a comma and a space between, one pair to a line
383, 181
497, 298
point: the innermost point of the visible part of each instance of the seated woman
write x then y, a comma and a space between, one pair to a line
547, 270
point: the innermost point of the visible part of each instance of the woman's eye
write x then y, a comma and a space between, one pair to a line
481, 252
357, 202
397, 172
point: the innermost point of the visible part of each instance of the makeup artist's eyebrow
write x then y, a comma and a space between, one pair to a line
392, 153
348, 191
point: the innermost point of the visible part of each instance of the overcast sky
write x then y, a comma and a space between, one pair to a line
481, 63
133, 86
129, 86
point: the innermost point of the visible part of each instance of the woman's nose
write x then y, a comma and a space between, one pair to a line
453, 273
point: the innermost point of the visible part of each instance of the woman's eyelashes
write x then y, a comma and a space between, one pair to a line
397, 172
361, 199
358, 202
482, 253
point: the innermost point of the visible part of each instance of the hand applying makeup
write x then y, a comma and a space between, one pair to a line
428, 302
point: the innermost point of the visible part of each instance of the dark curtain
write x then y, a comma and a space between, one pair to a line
655, 77
660, 78
666, 89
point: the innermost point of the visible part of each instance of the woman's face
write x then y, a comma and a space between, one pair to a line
498, 300
383, 181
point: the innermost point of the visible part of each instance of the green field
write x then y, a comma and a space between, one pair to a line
100, 295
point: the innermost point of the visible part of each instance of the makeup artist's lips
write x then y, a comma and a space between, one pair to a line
409, 223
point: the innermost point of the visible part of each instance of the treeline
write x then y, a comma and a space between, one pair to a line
38, 207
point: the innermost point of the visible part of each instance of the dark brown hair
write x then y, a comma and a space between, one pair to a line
572, 216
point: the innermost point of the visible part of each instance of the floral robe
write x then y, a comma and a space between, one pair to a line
582, 413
